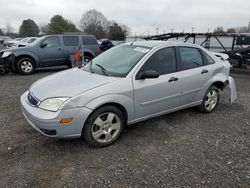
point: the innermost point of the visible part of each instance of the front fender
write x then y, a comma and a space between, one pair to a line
26, 53
122, 100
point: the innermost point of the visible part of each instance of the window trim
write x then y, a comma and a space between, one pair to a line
51, 46
145, 61
204, 58
180, 60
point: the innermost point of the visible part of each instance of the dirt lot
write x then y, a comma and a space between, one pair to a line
182, 149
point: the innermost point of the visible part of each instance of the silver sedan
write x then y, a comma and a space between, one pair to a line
124, 85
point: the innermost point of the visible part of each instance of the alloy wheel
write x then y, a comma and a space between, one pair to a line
106, 127
211, 100
26, 66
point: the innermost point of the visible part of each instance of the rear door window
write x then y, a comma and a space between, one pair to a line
71, 40
191, 58
89, 40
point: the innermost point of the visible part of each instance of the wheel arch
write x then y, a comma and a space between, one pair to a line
89, 53
115, 104
17, 58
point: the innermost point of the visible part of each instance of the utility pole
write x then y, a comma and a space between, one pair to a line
157, 30
172, 30
192, 29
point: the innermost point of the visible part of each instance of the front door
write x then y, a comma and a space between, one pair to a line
157, 95
51, 52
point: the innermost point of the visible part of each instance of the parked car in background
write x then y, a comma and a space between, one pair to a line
3, 38
106, 44
24, 42
9, 43
124, 85
51, 50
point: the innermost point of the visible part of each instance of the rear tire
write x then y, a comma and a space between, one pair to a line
104, 126
26, 66
210, 100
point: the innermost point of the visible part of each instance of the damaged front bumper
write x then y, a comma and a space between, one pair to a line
7, 63
233, 93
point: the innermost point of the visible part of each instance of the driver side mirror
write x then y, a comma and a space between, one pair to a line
43, 45
149, 74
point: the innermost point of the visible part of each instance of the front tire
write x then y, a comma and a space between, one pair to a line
26, 66
104, 126
210, 100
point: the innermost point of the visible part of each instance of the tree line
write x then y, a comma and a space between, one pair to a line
92, 22
242, 29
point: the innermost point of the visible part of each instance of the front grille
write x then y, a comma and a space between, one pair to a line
32, 100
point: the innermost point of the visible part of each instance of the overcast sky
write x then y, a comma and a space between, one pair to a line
141, 16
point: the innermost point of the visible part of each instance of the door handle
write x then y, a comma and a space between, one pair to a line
173, 79
59, 49
204, 71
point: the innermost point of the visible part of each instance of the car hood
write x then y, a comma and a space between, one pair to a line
68, 83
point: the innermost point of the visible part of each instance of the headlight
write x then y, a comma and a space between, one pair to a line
6, 54
52, 104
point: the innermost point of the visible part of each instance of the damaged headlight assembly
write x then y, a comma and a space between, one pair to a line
52, 104
6, 54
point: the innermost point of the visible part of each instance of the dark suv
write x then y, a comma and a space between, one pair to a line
51, 50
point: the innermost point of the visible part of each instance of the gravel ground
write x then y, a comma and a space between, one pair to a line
182, 149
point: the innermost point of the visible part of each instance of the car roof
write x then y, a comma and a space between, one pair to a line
156, 43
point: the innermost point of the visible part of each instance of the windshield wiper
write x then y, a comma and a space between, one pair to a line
90, 67
103, 69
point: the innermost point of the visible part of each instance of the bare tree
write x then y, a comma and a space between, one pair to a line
219, 30
243, 29
94, 22
231, 30
44, 29
9, 29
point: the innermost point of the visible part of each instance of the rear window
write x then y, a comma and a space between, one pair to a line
71, 40
87, 40
208, 59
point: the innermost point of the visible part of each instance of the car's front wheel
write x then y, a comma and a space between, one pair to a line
26, 66
210, 100
104, 126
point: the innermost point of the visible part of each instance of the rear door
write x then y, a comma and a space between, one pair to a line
53, 53
154, 96
194, 75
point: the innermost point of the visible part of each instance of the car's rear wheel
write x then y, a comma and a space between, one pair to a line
25, 66
210, 100
87, 58
104, 126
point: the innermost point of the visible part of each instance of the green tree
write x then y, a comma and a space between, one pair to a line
95, 23
117, 32
59, 25
29, 29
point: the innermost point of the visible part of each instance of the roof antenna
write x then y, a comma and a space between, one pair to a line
133, 41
